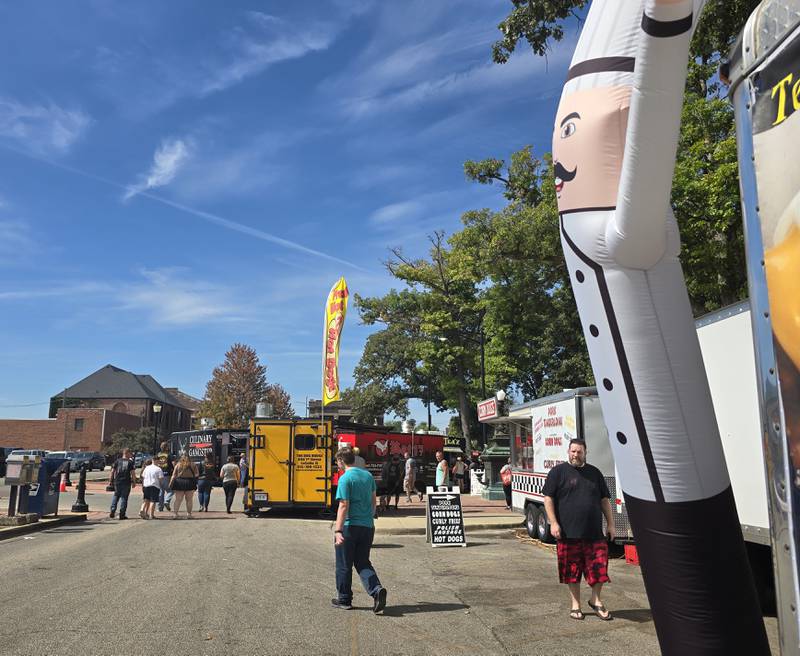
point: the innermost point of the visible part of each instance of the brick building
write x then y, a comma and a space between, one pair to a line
73, 429
120, 391
86, 415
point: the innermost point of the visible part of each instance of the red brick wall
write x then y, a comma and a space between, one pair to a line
172, 418
32, 434
50, 434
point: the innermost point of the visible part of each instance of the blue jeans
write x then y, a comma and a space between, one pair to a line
204, 492
121, 493
355, 553
165, 496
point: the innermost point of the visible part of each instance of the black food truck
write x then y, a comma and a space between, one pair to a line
218, 442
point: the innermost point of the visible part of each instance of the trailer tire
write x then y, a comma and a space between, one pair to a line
531, 519
543, 527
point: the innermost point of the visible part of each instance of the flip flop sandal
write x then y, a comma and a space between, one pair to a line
576, 614
601, 609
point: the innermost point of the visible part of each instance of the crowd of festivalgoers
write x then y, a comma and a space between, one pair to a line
169, 483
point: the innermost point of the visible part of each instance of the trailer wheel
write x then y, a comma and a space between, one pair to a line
543, 527
531, 519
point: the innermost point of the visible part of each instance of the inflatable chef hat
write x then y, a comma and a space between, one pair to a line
608, 56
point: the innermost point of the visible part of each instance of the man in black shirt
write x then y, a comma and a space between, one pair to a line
575, 498
123, 477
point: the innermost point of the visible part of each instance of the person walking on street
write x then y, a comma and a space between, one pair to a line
243, 470
442, 470
410, 480
575, 498
167, 464
230, 480
353, 534
458, 473
123, 478
208, 476
505, 478
151, 488
392, 479
183, 483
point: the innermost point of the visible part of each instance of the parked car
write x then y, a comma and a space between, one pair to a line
29, 452
86, 458
98, 460
139, 458
54, 455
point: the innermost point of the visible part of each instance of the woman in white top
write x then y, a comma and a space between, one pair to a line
151, 486
230, 480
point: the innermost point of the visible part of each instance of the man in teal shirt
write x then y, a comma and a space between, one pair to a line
354, 531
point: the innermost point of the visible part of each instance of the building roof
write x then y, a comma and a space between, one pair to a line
187, 400
111, 382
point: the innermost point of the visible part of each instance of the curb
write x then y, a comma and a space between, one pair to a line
468, 528
41, 525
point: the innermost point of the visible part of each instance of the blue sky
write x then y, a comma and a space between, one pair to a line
177, 177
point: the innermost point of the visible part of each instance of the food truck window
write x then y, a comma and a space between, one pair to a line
303, 442
522, 453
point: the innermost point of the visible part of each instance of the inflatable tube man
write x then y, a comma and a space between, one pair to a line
614, 145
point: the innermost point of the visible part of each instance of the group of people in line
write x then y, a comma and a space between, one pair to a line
402, 476
169, 484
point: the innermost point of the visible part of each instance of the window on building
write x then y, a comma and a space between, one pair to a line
79, 424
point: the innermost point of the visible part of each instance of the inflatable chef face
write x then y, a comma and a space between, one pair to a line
589, 122
614, 142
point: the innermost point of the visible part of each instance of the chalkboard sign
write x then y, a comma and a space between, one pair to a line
445, 521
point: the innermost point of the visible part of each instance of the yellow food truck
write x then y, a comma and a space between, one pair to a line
290, 464
290, 461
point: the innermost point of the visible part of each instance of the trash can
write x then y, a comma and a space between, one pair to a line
44, 498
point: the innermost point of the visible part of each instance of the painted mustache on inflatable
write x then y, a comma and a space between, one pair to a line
618, 120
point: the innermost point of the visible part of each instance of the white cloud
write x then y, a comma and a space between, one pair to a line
263, 41
16, 240
168, 159
147, 76
395, 212
167, 298
42, 129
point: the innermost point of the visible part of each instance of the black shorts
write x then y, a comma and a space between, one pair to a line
151, 493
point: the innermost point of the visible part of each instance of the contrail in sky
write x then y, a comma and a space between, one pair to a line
207, 216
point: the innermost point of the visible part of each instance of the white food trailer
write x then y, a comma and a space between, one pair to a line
540, 434
726, 341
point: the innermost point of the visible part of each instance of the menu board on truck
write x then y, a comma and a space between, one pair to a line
554, 425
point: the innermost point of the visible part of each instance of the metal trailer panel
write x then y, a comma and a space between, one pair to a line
726, 341
772, 31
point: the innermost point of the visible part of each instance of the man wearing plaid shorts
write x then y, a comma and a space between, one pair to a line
575, 498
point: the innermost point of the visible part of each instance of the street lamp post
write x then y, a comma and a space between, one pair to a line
156, 420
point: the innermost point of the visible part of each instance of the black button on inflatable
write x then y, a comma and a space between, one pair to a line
621, 438
593, 329
579, 275
608, 384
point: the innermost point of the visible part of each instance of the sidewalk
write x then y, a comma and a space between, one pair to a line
479, 514
43, 524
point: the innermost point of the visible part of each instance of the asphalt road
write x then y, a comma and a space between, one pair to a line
233, 585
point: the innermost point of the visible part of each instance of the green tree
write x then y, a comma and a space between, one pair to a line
236, 386
280, 401
536, 343
138, 441
428, 346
